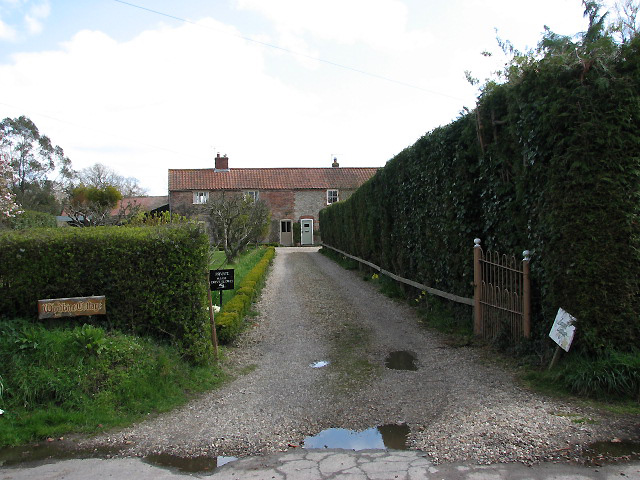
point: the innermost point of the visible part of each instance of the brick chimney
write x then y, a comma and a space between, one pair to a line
222, 163
335, 163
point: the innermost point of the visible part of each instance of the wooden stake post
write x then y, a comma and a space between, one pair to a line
214, 334
218, 280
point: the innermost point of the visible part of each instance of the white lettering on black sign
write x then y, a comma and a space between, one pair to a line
221, 279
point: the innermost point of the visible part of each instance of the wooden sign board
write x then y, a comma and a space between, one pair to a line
71, 307
563, 330
221, 279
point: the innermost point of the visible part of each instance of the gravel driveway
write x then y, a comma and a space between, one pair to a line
458, 405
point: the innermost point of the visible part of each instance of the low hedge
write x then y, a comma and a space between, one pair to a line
230, 321
154, 279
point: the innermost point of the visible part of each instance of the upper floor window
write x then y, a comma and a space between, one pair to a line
332, 196
252, 194
200, 197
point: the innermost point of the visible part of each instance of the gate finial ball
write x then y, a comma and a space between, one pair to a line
476, 241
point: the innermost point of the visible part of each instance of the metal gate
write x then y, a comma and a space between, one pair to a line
502, 298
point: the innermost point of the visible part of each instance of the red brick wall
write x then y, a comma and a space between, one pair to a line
280, 203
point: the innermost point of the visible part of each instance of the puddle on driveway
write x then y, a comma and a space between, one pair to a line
612, 452
401, 360
185, 464
50, 452
385, 437
54, 452
320, 364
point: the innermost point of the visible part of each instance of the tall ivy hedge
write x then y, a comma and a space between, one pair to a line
154, 279
549, 162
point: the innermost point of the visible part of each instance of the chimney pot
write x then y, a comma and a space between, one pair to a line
335, 163
222, 163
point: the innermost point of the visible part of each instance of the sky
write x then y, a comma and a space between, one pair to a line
146, 86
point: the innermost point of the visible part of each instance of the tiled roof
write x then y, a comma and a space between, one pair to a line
269, 178
146, 203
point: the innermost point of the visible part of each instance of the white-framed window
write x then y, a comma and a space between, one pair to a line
332, 196
252, 194
200, 198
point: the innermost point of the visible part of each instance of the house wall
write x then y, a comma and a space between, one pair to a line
283, 204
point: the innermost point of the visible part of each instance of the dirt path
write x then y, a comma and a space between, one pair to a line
457, 407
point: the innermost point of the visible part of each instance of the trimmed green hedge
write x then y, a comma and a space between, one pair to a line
31, 219
548, 162
154, 279
230, 321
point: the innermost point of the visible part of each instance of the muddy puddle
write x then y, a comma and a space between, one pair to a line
600, 453
393, 437
39, 454
50, 452
187, 465
401, 360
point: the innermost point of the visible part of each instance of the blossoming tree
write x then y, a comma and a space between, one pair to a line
8, 206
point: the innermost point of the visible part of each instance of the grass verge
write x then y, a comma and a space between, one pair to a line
83, 379
242, 266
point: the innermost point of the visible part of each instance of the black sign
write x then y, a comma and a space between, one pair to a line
221, 279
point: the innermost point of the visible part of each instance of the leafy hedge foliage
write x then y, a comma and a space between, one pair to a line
31, 219
549, 162
154, 279
230, 321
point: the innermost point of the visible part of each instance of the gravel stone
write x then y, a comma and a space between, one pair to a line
459, 406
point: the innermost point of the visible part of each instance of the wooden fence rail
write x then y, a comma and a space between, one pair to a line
432, 291
502, 296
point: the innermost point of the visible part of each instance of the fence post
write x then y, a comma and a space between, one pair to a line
526, 294
477, 286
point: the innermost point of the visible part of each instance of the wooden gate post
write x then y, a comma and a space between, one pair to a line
526, 294
477, 286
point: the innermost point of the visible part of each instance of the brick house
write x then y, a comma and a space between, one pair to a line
293, 195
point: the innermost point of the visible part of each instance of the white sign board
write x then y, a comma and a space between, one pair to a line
563, 330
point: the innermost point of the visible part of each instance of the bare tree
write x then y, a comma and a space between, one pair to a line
235, 221
101, 176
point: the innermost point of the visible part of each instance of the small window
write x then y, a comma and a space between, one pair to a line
332, 196
200, 197
252, 194
285, 226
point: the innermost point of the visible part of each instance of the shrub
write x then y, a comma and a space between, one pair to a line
32, 219
230, 322
613, 376
228, 326
153, 278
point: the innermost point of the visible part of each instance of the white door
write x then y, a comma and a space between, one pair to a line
306, 231
286, 233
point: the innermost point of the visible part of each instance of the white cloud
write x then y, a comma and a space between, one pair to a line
33, 19
7, 32
181, 91
27, 13
379, 23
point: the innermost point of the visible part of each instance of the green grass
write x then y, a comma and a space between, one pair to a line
345, 262
243, 265
349, 356
613, 379
83, 379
